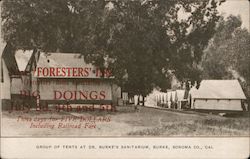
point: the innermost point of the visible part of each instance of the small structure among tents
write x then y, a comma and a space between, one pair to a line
14, 73
218, 95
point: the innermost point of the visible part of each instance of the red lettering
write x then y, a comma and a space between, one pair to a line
35, 93
74, 71
57, 95
108, 73
45, 71
68, 69
38, 71
102, 95
69, 93
24, 93
86, 70
97, 72
93, 95
58, 71
63, 71
52, 71
80, 71
83, 95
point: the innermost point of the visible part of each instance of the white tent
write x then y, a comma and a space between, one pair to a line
219, 95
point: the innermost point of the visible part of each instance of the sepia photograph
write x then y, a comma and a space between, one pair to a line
155, 78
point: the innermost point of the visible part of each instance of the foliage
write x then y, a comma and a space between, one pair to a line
142, 42
227, 56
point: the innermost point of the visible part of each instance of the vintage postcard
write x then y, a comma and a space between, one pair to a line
125, 79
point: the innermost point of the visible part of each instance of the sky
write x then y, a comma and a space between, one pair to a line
237, 7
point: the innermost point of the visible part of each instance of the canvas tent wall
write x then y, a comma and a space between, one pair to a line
5, 85
173, 103
179, 98
162, 98
219, 95
190, 98
169, 99
153, 98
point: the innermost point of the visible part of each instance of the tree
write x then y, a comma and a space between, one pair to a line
227, 56
142, 42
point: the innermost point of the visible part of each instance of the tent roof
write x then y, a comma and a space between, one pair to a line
22, 58
61, 60
8, 56
192, 91
219, 89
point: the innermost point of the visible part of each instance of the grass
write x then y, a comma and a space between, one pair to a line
205, 127
143, 122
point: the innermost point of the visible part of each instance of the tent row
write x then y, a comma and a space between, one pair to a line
172, 99
221, 95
